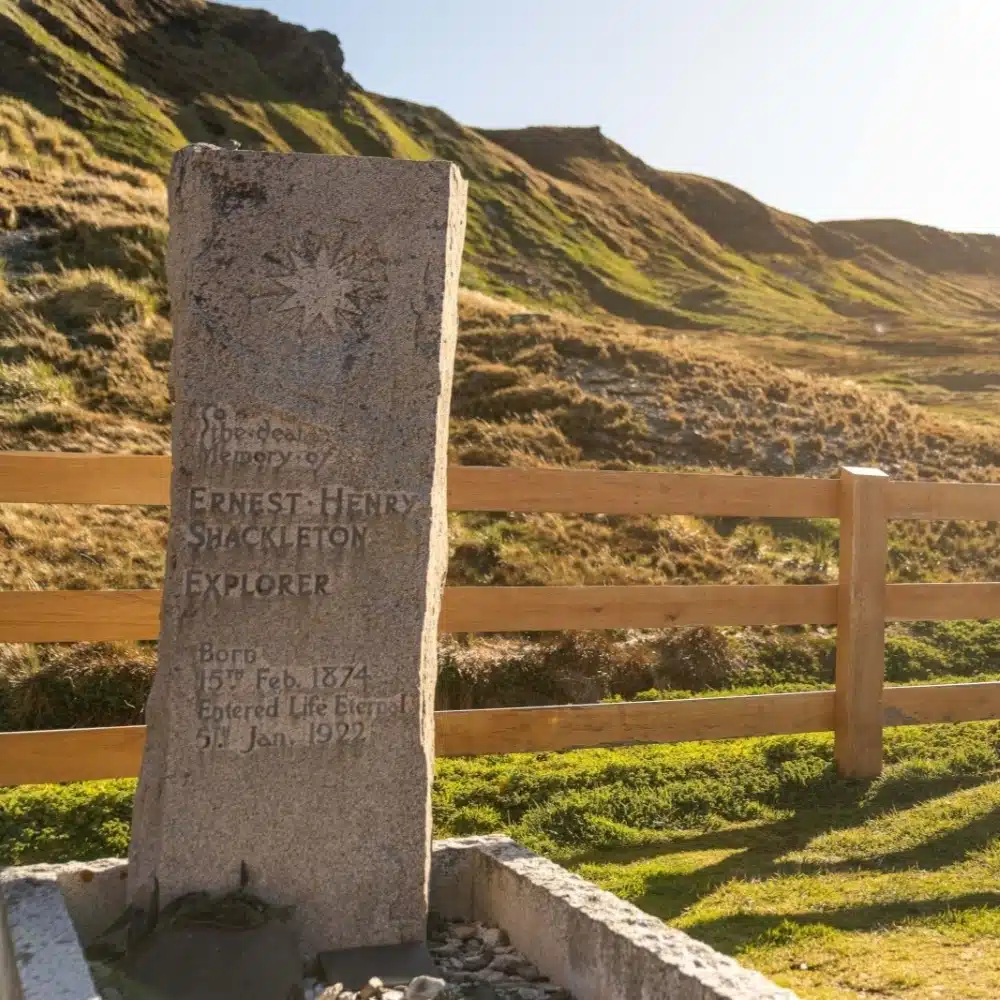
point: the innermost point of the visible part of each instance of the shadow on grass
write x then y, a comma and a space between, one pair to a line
733, 934
759, 848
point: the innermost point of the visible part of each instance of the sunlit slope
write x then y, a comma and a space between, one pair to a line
560, 218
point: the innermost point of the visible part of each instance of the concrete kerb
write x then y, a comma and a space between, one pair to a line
587, 940
593, 943
41, 957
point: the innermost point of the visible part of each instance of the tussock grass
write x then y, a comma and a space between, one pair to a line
65, 686
834, 888
84, 359
85, 301
34, 382
52, 176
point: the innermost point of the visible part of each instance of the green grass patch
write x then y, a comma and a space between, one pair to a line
832, 887
401, 144
122, 121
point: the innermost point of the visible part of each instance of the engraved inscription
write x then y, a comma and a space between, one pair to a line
336, 503
244, 705
219, 585
329, 519
243, 702
232, 437
275, 538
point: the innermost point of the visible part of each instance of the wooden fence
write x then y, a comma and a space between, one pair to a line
859, 605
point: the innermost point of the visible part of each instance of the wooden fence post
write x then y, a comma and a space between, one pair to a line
860, 623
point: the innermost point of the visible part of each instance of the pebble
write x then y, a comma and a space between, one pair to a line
425, 988
476, 962
372, 989
494, 937
507, 963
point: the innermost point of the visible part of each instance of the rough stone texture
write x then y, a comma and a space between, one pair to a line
592, 943
40, 953
93, 891
291, 721
479, 963
583, 939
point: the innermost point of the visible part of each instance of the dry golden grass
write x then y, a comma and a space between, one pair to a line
604, 392
50, 175
752, 845
84, 354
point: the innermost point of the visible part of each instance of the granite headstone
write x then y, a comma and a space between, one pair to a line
291, 725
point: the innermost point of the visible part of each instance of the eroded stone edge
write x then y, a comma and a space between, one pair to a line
42, 955
588, 940
585, 939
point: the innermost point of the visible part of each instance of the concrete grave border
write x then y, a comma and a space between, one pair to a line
589, 941
584, 939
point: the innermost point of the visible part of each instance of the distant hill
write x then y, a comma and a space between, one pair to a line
614, 316
559, 216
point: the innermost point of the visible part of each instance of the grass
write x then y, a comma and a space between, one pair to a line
833, 888
677, 323
84, 363
61, 686
561, 217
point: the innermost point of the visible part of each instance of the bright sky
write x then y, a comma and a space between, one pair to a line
825, 108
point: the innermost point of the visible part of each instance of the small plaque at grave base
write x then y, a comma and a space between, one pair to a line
212, 963
394, 964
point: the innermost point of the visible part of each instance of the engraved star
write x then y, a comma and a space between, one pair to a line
324, 288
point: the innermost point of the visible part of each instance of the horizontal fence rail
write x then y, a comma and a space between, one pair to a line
41, 477
944, 501
859, 604
101, 615
104, 615
116, 752
37, 477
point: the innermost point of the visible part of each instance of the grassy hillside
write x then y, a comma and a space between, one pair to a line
665, 310
559, 218
84, 352
613, 316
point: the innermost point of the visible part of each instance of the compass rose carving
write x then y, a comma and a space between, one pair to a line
328, 283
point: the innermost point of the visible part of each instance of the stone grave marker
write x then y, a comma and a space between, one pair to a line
291, 726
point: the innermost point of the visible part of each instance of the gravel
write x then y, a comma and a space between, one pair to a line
476, 962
